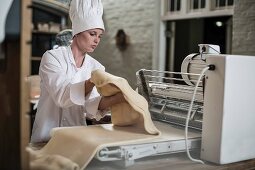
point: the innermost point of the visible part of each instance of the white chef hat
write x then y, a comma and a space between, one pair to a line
85, 15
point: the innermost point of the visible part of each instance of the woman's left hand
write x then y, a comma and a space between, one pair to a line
108, 101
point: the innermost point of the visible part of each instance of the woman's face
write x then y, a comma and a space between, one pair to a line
87, 41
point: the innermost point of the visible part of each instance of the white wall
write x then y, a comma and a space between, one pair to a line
244, 27
137, 19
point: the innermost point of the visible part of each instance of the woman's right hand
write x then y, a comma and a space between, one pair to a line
88, 86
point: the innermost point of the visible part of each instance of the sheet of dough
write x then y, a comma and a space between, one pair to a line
80, 144
133, 112
169, 132
131, 124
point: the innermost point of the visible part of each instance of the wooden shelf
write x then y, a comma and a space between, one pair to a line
44, 32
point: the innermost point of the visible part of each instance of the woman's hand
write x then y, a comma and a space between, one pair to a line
88, 86
108, 101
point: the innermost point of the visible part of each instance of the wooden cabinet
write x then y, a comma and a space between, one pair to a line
41, 42
49, 18
20, 56
24, 119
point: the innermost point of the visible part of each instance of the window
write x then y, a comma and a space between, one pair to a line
187, 9
197, 4
173, 5
223, 3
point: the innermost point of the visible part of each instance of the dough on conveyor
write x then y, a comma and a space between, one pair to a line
133, 112
131, 124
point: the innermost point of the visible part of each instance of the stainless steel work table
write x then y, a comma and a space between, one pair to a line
177, 161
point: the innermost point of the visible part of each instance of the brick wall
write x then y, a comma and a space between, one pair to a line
244, 27
136, 18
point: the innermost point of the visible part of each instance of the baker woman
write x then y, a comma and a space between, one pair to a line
67, 94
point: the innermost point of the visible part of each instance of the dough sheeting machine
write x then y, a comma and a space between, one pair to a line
215, 92
168, 105
169, 98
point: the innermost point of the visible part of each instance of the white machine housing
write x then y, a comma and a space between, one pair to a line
228, 130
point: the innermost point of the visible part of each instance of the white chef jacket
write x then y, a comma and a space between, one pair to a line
62, 101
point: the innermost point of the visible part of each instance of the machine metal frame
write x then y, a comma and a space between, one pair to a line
169, 97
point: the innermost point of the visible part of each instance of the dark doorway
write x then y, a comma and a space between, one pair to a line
190, 33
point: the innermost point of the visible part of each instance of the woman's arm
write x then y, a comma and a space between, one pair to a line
88, 86
108, 101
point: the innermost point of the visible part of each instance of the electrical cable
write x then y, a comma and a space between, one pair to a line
188, 116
